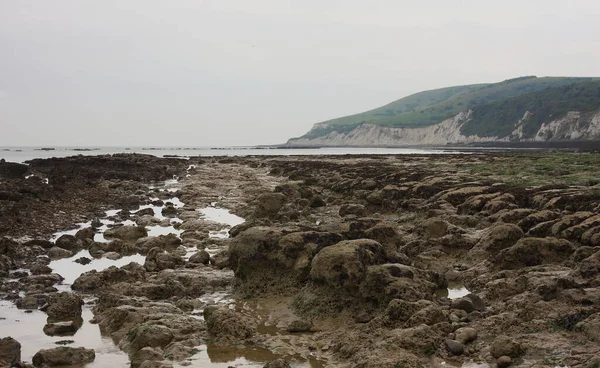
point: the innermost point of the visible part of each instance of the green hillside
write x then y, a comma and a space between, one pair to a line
497, 119
431, 107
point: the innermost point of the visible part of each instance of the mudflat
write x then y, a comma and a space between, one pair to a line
482, 259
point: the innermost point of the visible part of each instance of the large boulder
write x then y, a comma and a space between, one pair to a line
535, 251
352, 209
537, 218
506, 346
500, 236
269, 204
10, 351
92, 280
275, 258
126, 233
345, 264
166, 242
434, 227
149, 335
64, 306
63, 355
68, 242
226, 324
590, 266
157, 260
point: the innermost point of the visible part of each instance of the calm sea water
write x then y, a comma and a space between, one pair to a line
22, 154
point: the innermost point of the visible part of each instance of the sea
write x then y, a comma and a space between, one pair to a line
24, 154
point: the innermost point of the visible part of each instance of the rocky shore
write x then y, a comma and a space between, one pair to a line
477, 260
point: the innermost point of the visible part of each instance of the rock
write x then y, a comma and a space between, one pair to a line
317, 201
300, 325
146, 354
10, 351
87, 233
145, 212
537, 218
64, 306
157, 260
352, 209
58, 253
568, 221
147, 335
590, 266
269, 204
63, 355
402, 310
500, 236
462, 304
465, 334
67, 328
375, 198
166, 242
126, 233
455, 347
506, 346
503, 362
200, 257
535, 251
277, 363
344, 264
225, 324
434, 227
83, 260
430, 315
113, 256
478, 303
68, 242
169, 211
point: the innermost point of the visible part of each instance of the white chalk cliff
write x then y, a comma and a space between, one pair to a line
573, 126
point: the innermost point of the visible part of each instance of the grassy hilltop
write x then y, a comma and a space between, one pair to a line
496, 106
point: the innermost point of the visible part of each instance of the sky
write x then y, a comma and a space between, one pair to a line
207, 73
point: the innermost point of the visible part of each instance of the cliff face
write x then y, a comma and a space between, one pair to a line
573, 126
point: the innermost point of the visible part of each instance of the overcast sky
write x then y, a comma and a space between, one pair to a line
244, 72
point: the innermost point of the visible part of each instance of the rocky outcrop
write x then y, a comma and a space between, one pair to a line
63, 355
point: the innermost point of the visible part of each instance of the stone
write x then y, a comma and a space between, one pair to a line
126, 233
506, 346
225, 324
465, 334
535, 251
63, 355
503, 362
277, 363
87, 233
146, 335
434, 227
64, 306
67, 328
463, 304
158, 260
10, 351
344, 264
200, 257
68, 242
455, 347
352, 209
269, 204
300, 325
317, 201
83, 260
500, 236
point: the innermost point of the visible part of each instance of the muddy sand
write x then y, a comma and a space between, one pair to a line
478, 260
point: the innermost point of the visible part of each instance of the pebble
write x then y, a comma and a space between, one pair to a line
504, 361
